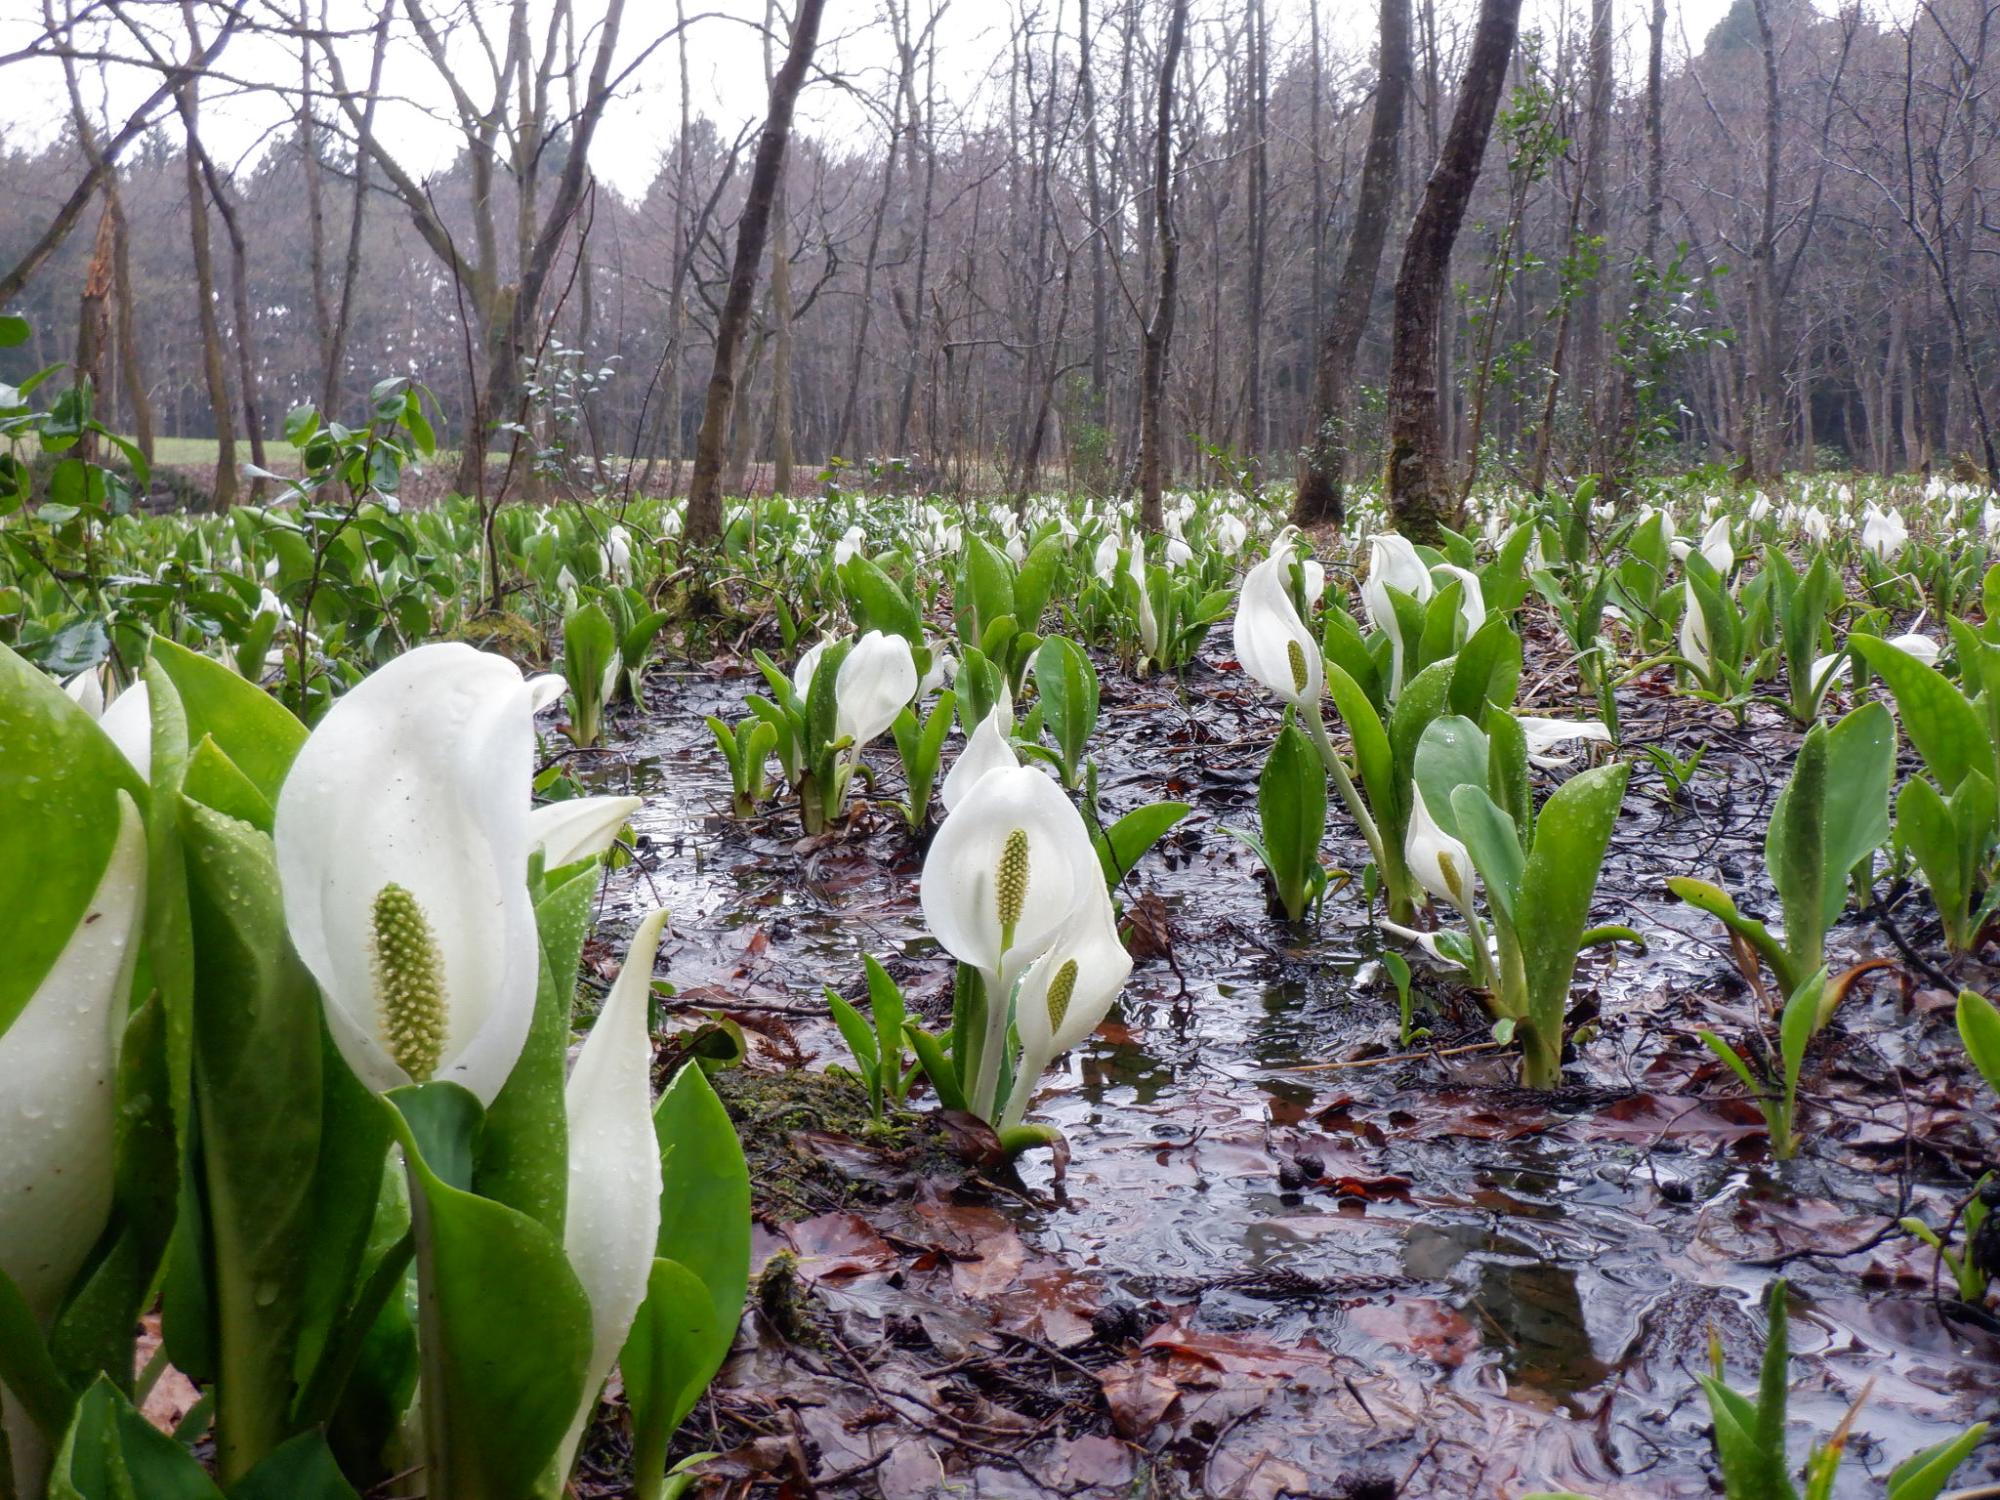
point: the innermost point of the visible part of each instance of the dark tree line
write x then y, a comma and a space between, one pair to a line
1154, 241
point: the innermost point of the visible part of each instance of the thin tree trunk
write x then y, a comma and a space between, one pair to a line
224, 493
1421, 495
1255, 205
1159, 330
1323, 461
1620, 458
93, 324
1589, 385
781, 310
138, 397
704, 512
350, 274
1761, 445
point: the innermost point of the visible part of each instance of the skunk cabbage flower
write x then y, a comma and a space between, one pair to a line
1922, 647
849, 545
1271, 640
1231, 533
1694, 630
1822, 668
58, 1073
129, 723
1179, 553
877, 677
1716, 546
1007, 869
1438, 861
611, 1227
1393, 563
1473, 608
402, 843
1104, 562
987, 750
580, 828
1314, 574
1815, 524
86, 691
1149, 626
1543, 734
617, 557
545, 690
1759, 509
943, 665
1883, 534
802, 674
1066, 993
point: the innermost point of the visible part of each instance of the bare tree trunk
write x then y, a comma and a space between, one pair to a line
1621, 456
704, 512
93, 324
239, 295
1592, 392
350, 274
1323, 462
138, 397
1761, 444
309, 166
1421, 495
1256, 206
1159, 330
204, 285
1100, 307
781, 310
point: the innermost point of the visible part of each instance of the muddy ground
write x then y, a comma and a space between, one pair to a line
1285, 1258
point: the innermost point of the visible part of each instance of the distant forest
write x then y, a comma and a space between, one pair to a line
1787, 231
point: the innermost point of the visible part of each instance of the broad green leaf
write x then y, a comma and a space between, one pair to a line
524, 1154
495, 1284
1557, 886
1795, 850
1924, 1475
256, 731
1488, 669
58, 819
27, 1371
1492, 841
1291, 813
1940, 721
301, 1469
878, 602
1979, 1029
112, 1453
1126, 842
258, 1066
214, 780
1860, 764
1797, 1025
1451, 754
854, 1031
1373, 756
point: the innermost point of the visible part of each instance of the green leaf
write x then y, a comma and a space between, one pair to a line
936, 1065
214, 780
257, 733
58, 819
258, 1062
1797, 1025
1374, 758
524, 1154
1979, 1029
493, 1284
1291, 812
1940, 721
1494, 844
112, 1453
26, 1369
1557, 886
1795, 850
1451, 754
301, 1469
1924, 1475
1860, 765
878, 602
1734, 1061
1487, 669
1126, 842
684, 1329
854, 1031
1068, 687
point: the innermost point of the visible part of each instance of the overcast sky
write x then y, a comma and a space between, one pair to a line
725, 63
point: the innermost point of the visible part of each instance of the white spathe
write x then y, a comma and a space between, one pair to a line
1694, 630
579, 828
958, 887
1883, 534
611, 1224
418, 778
1543, 735
1439, 861
1272, 642
1472, 608
876, 678
58, 1081
1089, 940
987, 750
129, 723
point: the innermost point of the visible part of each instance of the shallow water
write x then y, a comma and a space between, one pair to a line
1558, 1261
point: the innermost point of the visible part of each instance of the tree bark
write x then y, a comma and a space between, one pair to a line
1159, 330
1422, 497
224, 492
1323, 461
704, 511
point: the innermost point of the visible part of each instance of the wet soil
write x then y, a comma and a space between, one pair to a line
1288, 1256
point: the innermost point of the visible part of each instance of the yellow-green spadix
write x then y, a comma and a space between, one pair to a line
402, 838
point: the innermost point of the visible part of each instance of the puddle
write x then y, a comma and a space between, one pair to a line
1508, 1292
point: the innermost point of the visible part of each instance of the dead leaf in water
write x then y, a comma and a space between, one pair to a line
1419, 1325
833, 1245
